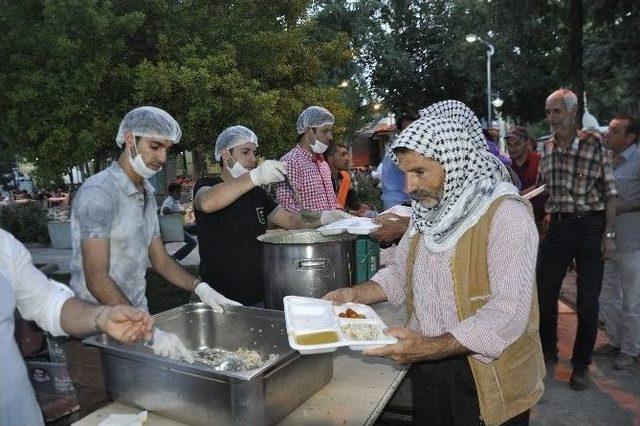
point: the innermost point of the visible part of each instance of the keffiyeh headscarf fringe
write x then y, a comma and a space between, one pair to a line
450, 133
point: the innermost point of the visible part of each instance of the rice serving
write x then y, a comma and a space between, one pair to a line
362, 332
215, 357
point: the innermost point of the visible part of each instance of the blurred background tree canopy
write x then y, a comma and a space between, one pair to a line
72, 68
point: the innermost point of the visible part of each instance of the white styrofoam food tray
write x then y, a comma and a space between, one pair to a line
304, 315
402, 211
354, 225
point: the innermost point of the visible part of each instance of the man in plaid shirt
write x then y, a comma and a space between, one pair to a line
580, 214
309, 175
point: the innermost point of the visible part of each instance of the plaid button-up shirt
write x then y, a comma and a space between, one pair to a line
310, 176
579, 178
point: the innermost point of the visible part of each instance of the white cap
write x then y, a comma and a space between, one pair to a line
232, 137
150, 122
314, 116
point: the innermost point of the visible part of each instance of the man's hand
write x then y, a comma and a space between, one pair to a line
608, 247
392, 229
341, 295
125, 323
331, 216
414, 347
270, 171
212, 298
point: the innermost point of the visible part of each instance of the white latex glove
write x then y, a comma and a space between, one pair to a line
270, 171
331, 216
170, 345
212, 298
125, 419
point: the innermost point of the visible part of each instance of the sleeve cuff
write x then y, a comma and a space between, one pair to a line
486, 345
57, 299
386, 279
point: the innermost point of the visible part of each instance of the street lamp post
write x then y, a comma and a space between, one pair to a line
471, 38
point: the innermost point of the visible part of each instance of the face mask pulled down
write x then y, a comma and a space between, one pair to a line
139, 166
317, 146
237, 169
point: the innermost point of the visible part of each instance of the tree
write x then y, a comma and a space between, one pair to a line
73, 68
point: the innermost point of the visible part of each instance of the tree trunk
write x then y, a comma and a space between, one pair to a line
575, 50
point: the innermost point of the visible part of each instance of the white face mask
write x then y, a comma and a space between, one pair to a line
238, 169
317, 146
138, 165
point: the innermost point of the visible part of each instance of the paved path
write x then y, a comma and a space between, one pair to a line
612, 399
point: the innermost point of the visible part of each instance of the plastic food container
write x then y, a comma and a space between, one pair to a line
355, 226
314, 326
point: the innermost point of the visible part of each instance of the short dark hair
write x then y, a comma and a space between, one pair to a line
174, 187
404, 116
333, 147
632, 124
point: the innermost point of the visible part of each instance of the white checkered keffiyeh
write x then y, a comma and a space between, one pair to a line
473, 178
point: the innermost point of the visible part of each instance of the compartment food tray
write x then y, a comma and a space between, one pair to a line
354, 225
304, 315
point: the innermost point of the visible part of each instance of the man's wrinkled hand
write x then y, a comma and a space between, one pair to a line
410, 347
125, 323
392, 229
341, 295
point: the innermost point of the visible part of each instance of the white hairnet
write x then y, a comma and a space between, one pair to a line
150, 122
232, 137
314, 116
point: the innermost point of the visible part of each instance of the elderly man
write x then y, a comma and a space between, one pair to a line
309, 174
233, 209
115, 230
580, 214
52, 306
465, 270
620, 297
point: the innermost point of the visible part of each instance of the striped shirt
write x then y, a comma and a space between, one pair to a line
511, 256
310, 176
579, 178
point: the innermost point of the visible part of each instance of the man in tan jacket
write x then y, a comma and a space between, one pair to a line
465, 269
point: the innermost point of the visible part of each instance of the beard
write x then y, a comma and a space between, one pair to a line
428, 197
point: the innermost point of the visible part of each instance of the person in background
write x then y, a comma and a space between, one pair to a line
620, 296
466, 273
337, 156
392, 178
309, 177
233, 209
525, 164
579, 222
52, 306
170, 205
394, 193
115, 232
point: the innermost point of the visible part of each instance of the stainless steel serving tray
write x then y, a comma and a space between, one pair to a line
198, 394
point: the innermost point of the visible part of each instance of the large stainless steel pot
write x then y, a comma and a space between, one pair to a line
305, 263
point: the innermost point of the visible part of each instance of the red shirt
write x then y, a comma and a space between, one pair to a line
310, 175
528, 172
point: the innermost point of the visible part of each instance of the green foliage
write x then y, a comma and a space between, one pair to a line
73, 68
27, 222
367, 189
